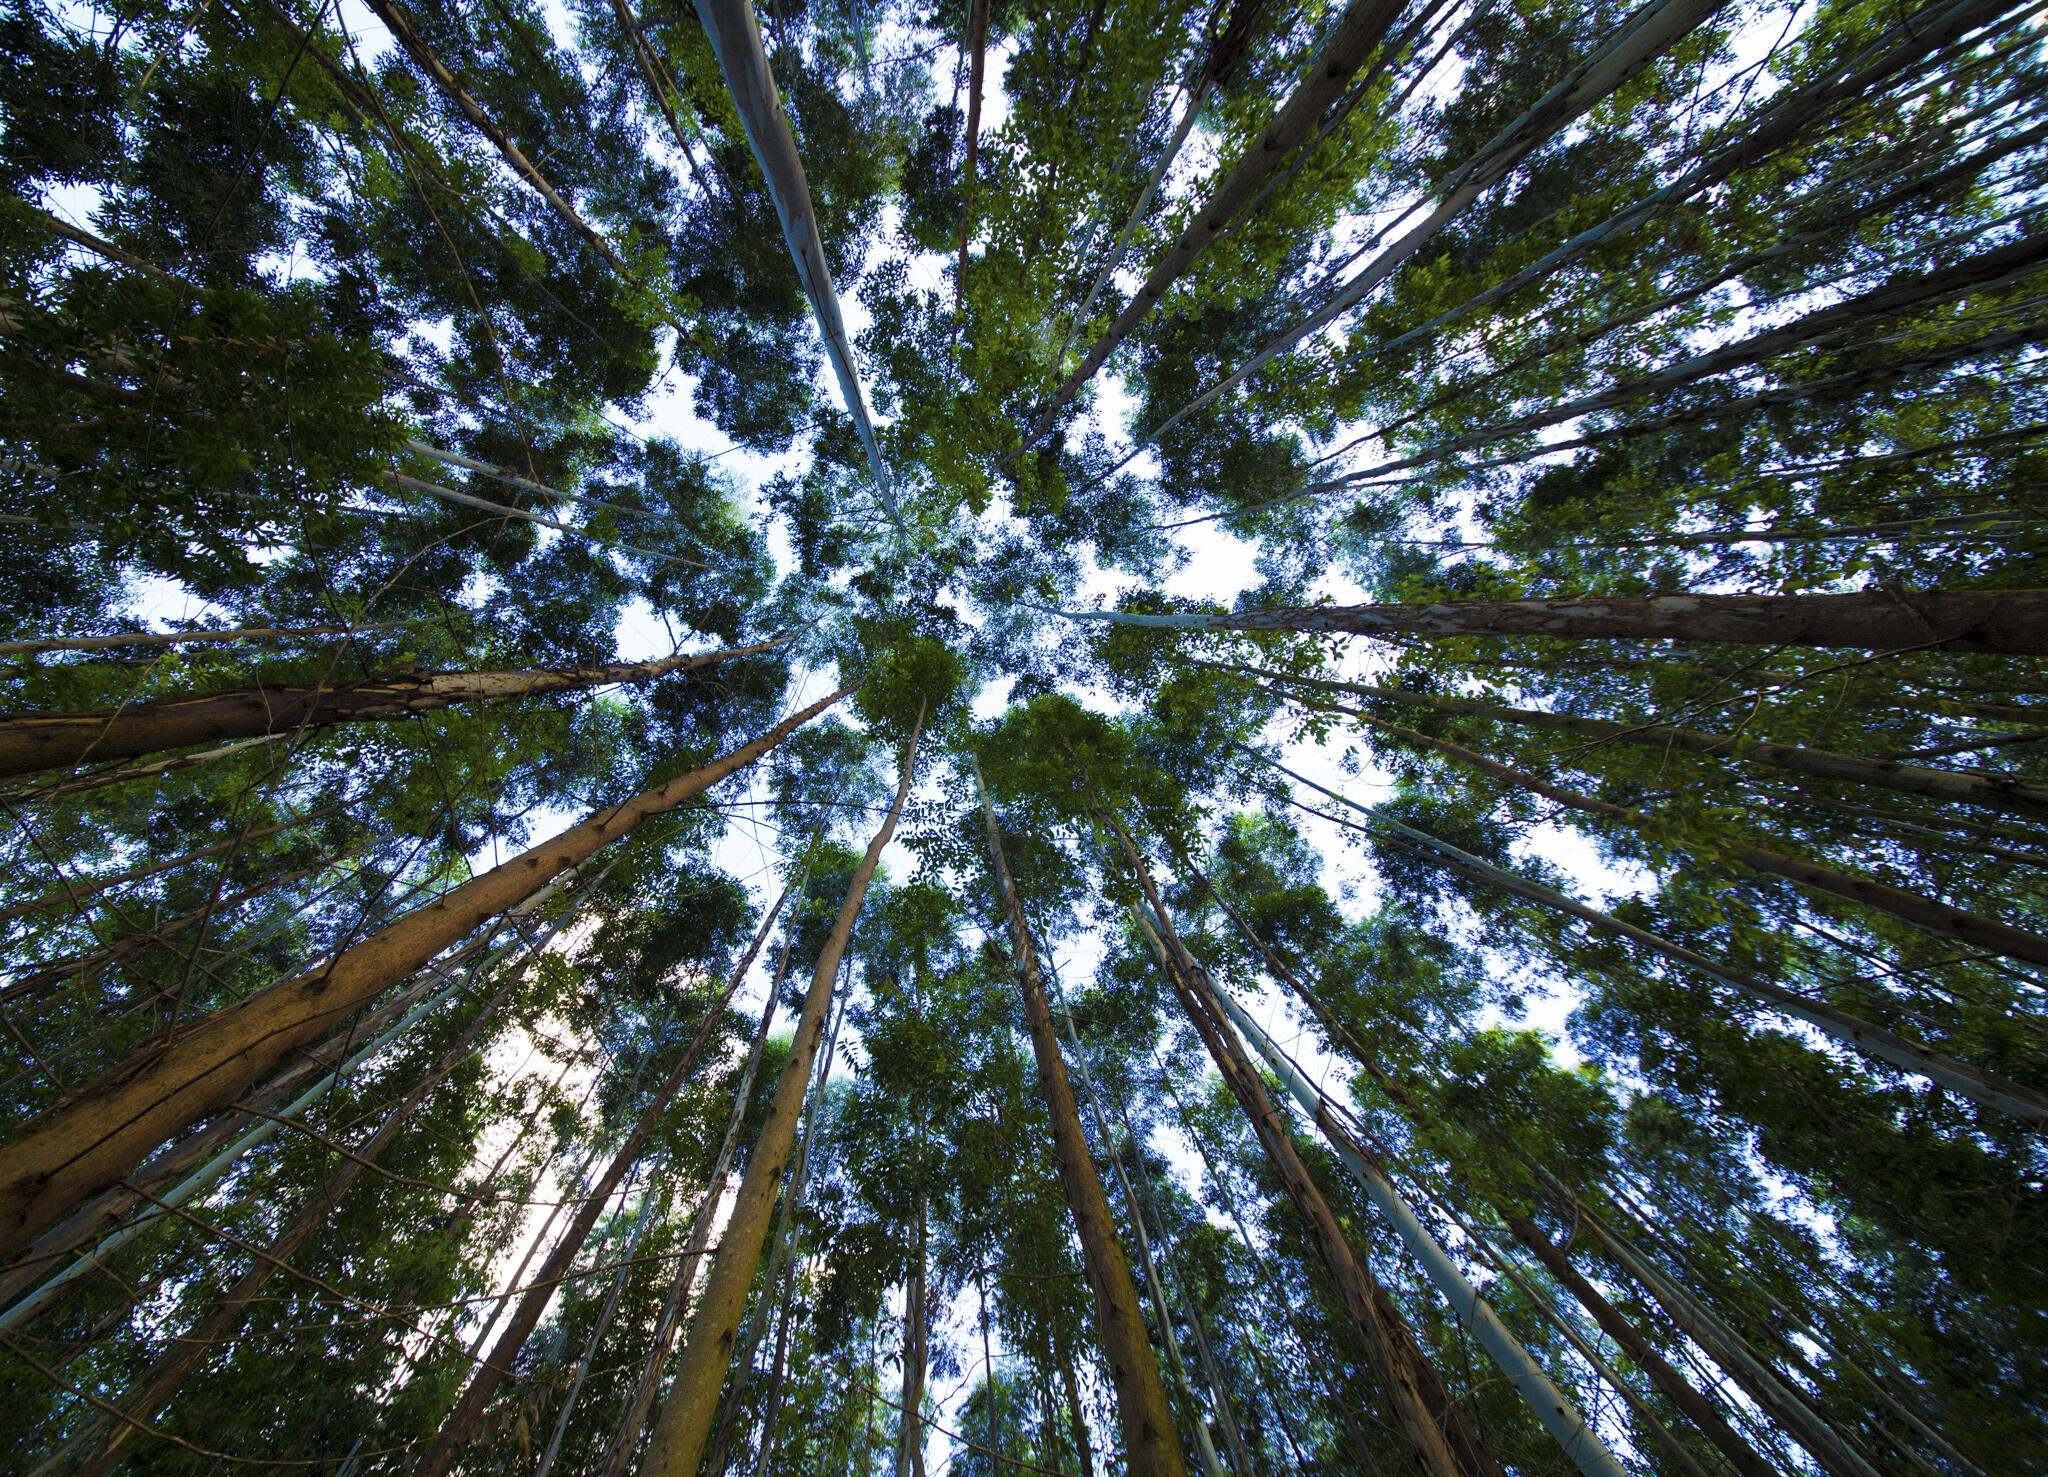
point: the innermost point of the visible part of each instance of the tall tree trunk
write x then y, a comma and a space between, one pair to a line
1077, 1418
36, 741
469, 1410
100, 1134
2014, 622
736, 41
977, 51
404, 33
2016, 796
155, 1389
1421, 1406
1922, 912
635, 1418
1676, 1388
916, 1357
1358, 33
127, 639
1858, 1035
1149, 1440
677, 1443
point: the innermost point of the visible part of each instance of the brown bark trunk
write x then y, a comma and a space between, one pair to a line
155, 1389
1697, 1408
1358, 33
190, 638
977, 50
2013, 622
677, 1443
2016, 796
1422, 1408
36, 741
1149, 1439
469, 1410
409, 39
98, 1136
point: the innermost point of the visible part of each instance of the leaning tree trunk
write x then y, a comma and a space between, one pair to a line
36, 741
1994, 791
977, 50
192, 1349
1859, 1035
1421, 1406
677, 1443
2012, 622
469, 1410
1359, 32
630, 1424
1922, 912
103, 1132
916, 1357
1149, 1439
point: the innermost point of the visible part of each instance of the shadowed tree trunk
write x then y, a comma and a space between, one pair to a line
677, 1443
34, 741
94, 1138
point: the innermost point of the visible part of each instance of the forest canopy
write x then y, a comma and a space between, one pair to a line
1065, 738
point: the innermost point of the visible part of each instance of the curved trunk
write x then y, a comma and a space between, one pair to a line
35, 741
100, 1134
1149, 1441
677, 1443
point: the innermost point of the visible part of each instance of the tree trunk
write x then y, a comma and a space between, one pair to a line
736, 41
1676, 1388
37, 741
401, 29
99, 1135
2016, 796
1851, 1031
677, 1443
1922, 912
635, 1418
916, 1358
2012, 622
155, 1389
1149, 1440
1077, 1418
597, 1333
469, 1410
42, 644
1432, 1426
977, 50
1358, 33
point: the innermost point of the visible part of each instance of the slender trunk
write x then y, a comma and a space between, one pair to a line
1922, 912
1358, 33
469, 1410
121, 774
736, 41
977, 50
916, 1357
1430, 1425
1077, 1418
2012, 622
635, 1418
155, 1389
127, 639
402, 31
1676, 1388
81, 890
677, 1443
38, 741
100, 1135
1149, 1440
1634, 45
1546, 1402
1851, 1031
183, 1171
2018, 797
